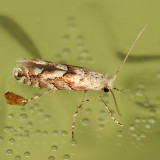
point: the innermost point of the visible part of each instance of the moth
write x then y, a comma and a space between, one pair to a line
55, 76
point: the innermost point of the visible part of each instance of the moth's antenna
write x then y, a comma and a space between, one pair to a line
115, 102
120, 67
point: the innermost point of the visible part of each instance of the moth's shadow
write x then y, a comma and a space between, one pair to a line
16, 31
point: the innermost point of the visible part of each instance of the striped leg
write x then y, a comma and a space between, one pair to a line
14, 99
39, 95
75, 114
109, 111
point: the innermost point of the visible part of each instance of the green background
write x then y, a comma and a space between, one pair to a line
95, 34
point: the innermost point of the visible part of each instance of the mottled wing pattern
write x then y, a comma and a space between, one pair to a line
56, 76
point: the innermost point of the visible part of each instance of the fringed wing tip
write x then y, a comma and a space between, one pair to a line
29, 62
25, 62
22, 60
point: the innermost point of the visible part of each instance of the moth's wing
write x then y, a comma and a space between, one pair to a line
40, 64
51, 75
72, 79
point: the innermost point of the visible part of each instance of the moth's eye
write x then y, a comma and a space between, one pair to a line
105, 89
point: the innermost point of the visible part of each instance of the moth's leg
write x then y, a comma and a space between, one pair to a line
37, 96
120, 90
109, 111
14, 99
75, 114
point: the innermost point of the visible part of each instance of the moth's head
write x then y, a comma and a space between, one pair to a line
108, 83
105, 89
109, 86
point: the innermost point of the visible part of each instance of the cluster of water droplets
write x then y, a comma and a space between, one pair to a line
74, 45
25, 131
144, 123
138, 131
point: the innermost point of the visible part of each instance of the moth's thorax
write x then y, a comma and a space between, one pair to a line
109, 81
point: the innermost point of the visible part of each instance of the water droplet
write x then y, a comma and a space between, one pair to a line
1, 139
85, 121
38, 132
47, 117
138, 138
31, 109
11, 140
89, 59
9, 151
72, 27
51, 158
71, 19
18, 158
45, 133
16, 135
151, 120
58, 56
85, 53
81, 59
23, 110
66, 38
141, 85
119, 134
23, 116
66, 157
100, 120
88, 110
101, 126
102, 112
20, 128
147, 125
36, 106
20, 135
26, 136
11, 116
137, 120
40, 111
132, 127
8, 129
54, 148
143, 120
134, 134
26, 154
29, 124
73, 142
158, 75
140, 92
145, 103
66, 51
26, 131
142, 135
141, 144
55, 132
152, 112
64, 133
158, 101
80, 45
133, 142
80, 38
